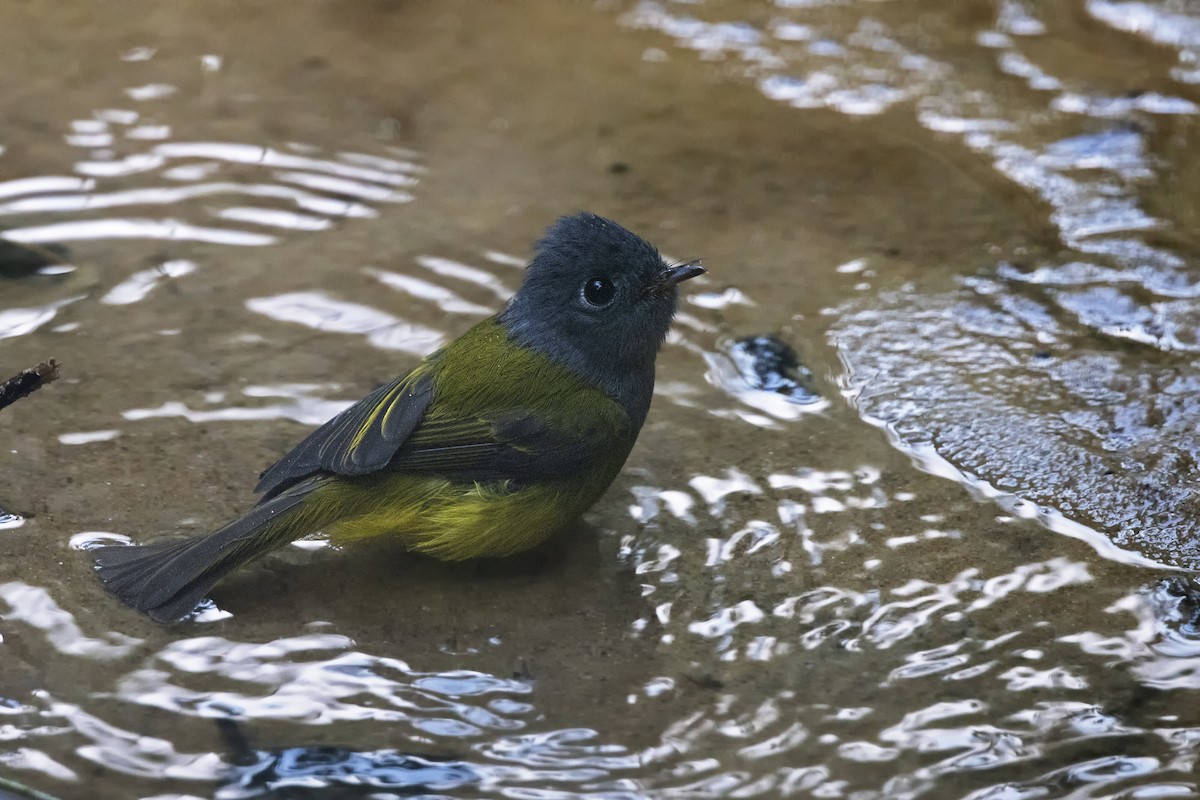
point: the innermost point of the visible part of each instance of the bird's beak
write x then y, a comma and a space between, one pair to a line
682, 272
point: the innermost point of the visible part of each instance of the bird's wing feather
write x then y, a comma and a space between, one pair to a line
399, 426
516, 444
361, 439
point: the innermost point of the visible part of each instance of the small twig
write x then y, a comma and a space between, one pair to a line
28, 381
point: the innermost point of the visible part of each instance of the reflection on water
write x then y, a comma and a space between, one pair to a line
140, 284
764, 373
330, 194
337, 184
321, 312
944, 629
772, 601
21, 321
322, 769
301, 403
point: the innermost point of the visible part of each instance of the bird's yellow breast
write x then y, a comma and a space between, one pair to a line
456, 521
482, 373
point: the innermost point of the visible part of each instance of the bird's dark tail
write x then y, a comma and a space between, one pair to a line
167, 580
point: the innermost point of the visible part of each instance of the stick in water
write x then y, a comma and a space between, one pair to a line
28, 381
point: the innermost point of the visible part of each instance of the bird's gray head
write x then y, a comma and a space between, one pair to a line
598, 300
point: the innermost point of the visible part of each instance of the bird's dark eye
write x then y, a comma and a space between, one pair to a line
598, 292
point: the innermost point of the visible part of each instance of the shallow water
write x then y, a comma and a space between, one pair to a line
961, 571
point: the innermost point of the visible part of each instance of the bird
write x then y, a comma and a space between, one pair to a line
485, 449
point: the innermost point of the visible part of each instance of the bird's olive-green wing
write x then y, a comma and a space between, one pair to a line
516, 445
400, 426
360, 440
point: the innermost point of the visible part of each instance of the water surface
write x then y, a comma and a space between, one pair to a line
963, 570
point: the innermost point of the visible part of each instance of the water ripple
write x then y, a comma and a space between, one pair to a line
321, 312
125, 146
797, 612
35, 607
